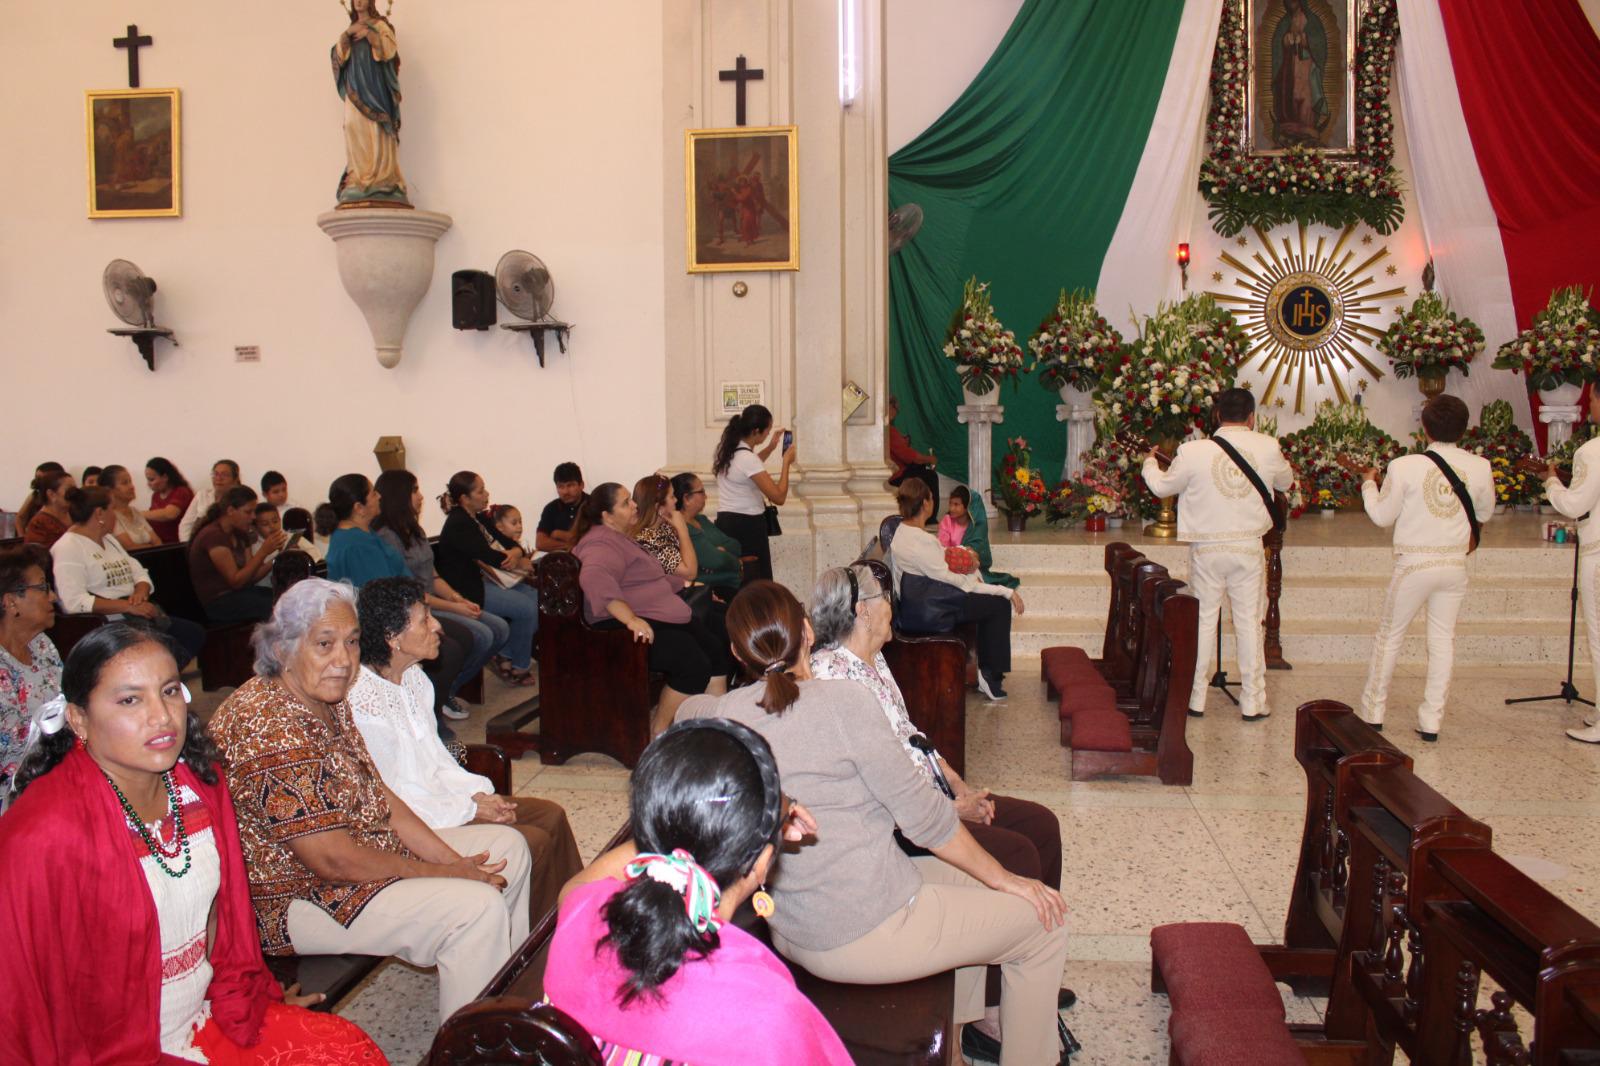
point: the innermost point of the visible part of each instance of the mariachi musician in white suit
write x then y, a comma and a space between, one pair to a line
1223, 515
1581, 500
1432, 537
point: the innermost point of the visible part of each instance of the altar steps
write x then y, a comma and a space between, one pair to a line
1336, 573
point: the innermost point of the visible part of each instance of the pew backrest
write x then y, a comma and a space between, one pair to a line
1119, 562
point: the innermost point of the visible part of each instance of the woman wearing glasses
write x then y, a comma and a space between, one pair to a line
30, 666
717, 553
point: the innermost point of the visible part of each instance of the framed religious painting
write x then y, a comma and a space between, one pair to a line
743, 196
1301, 87
134, 158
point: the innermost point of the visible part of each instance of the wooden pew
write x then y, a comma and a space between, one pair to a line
931, 673
1151, 738
226, 659
905, 1024
1400, 900
595, 685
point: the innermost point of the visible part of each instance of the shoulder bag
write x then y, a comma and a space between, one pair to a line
1473, 525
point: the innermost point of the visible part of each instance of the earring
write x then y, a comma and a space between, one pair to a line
762, 903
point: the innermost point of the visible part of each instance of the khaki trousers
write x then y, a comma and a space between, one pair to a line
955, 922
466, 928
1235, 569
551, 846
1439, 583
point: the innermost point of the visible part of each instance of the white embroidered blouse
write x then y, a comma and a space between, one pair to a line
396, 721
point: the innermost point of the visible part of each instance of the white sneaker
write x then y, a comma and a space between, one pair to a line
988, 693
1588, 736
453, 710
1593, 719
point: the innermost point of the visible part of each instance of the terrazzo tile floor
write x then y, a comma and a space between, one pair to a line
1139, 854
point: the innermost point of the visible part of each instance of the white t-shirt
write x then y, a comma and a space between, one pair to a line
85, 570
736, 492
204, 497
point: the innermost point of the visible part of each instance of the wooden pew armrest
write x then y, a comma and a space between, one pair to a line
491, 761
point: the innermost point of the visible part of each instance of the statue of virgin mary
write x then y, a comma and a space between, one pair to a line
366, 68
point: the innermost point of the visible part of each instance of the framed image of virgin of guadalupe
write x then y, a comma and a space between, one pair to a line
134, 154
743, 191
1301, 87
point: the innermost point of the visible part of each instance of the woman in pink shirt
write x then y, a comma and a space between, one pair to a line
644, 955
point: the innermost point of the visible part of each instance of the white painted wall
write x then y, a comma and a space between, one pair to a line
934, 50
536, 126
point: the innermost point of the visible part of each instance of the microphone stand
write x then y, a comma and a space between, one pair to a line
1569, 691
1219, 680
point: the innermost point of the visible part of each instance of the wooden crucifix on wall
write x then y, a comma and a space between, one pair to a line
133, 42
739, 75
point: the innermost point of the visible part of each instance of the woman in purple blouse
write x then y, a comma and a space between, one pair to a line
624, 587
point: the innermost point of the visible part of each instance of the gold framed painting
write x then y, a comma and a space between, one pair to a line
743, 197
1300, 91
134, 155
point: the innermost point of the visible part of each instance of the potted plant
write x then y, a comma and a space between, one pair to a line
1428, 341
1559, 350
984, 351
1021, 489
1074, 346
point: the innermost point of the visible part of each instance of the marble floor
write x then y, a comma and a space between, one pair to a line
1139, 854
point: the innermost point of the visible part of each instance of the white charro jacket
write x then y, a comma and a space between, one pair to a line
1216, 502
1418, 501
1582, 496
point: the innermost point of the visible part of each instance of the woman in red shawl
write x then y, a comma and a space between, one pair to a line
125, 910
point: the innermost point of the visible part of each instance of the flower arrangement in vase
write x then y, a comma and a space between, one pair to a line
1428, 341
1498, 439
1075, 345
1164, 383
1338, 429
984, 351
1559, 350
1022, 491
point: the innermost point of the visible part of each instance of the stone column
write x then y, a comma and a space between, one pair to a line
978, 417
1560, 418
1076, 409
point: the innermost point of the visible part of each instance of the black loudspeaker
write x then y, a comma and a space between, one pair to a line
472, 299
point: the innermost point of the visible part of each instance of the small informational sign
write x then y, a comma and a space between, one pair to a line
737, 395
247, 353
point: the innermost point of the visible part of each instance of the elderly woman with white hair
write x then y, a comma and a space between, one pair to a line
851, 616
337, 862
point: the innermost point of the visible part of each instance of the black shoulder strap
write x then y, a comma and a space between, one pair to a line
1273, 510
1461, 494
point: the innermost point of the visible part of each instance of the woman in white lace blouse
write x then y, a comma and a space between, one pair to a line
392, 702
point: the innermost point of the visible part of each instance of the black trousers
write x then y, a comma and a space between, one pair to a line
993, 616
750, 530
686, 652
443, 669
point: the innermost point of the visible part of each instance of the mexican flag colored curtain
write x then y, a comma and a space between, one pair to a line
1022, 182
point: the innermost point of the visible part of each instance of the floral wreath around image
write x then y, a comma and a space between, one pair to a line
1303, 185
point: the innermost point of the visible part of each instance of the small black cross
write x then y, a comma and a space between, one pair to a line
133, 42
739, 74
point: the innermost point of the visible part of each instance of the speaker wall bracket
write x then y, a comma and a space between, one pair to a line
538, 330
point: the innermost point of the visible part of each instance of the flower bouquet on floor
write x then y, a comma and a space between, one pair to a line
1560, 348
1429, 340
984, 351
1338, 429
1075, 345
1498, 439
1021, 492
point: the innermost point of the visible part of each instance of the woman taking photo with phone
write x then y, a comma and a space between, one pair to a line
744, 488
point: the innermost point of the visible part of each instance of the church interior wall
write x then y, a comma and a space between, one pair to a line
536, 126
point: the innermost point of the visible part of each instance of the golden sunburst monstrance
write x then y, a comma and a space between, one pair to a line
1308, 311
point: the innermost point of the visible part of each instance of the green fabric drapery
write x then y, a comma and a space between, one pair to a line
1022, 182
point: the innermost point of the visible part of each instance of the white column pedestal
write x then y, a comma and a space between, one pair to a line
385, 260
1079, 417
978, 417
1560, 418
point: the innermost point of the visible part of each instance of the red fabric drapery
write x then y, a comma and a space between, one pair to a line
1528, 72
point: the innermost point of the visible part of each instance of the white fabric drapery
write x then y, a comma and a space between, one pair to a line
1139, 270
1458, 220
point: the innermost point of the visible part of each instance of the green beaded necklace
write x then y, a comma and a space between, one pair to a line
158, 852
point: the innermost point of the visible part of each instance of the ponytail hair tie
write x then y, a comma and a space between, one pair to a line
680, 872
774, 667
